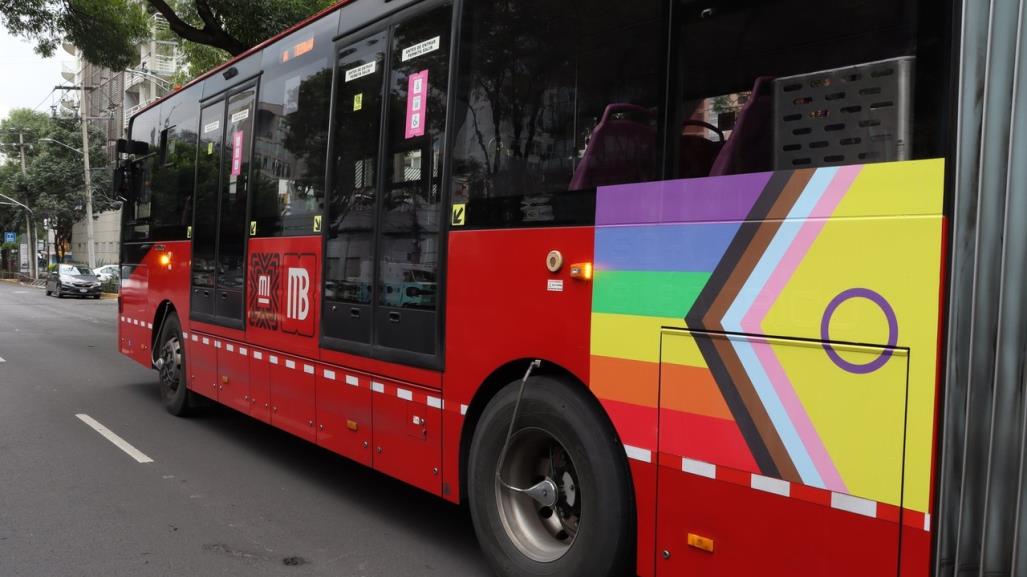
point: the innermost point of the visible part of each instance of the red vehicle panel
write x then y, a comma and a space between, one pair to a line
344, 414
283, 294
292, 386
260, 387
202, 363
234, 369
408, 434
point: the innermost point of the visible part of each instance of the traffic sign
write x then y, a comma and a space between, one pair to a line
10, 237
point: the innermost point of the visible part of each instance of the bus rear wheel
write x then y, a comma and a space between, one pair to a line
171, 367
578, 521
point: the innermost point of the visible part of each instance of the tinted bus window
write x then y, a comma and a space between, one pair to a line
555, 99
349, 253
137, 210
411, 207
291, 143
776, 86
172, 196
205, 221
235, 181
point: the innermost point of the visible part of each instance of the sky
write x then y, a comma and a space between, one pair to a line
26, 79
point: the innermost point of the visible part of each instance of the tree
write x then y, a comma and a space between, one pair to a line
53, 185
106, 31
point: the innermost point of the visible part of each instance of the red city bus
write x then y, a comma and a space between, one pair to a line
653, 287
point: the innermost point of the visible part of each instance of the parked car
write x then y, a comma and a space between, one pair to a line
73, 280
107, 272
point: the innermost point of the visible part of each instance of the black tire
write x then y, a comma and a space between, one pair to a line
177, 399
49, 292
603, 538
57, 291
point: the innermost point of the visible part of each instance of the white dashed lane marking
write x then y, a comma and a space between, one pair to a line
118, 442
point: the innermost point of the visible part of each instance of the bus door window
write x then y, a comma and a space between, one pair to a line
235, 165
205, 212
349, 248
410, 239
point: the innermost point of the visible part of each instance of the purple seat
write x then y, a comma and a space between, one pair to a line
621, 149
749, 148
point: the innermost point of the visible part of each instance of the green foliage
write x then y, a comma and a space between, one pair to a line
53, 184
106, 31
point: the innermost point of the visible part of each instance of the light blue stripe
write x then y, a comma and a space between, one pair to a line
695, 247
778, 416
771, 258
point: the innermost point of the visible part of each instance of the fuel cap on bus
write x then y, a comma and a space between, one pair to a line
554, 261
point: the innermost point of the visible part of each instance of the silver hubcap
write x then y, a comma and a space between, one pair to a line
542, 525
169, 365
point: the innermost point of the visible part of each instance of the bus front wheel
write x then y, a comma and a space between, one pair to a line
171, 367
577, 519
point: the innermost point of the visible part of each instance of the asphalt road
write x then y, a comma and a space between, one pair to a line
224, 495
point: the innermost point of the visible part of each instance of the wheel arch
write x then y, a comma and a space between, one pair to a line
504, 375
160, 315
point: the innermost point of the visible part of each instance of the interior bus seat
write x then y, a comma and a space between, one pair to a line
749, 147
696, 153
622, 149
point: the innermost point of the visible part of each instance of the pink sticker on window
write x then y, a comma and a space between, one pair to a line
237, 153
417, 104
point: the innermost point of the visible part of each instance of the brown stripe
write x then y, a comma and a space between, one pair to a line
757, 412
766, 229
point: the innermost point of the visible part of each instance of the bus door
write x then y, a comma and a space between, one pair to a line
385, 237
222, 192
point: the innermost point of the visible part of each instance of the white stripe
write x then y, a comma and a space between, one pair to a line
230, 347
217, 344
185, 335
120, 443
770, 485
853, 504
290, 364
273, 359
700, 468
352, 381
206, 341
463, 409
258, 355
927, 521
639, 454
377, 387
309, 369
435, 402
330, 375
2, 360
122, 319
195, 338
243, 351
149, 326
404, 394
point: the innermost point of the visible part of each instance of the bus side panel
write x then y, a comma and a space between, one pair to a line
503, 305
803, 307
151, 274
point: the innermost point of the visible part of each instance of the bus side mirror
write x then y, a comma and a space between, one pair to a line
136, 147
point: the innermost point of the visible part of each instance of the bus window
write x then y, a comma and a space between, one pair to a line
555, 99
776, 86
291, 144
137, 210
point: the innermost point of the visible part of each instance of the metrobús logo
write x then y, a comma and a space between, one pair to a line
300, 278
263, 290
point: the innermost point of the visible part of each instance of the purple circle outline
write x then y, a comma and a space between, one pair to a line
893, 330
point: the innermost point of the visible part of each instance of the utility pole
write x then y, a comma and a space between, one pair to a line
83, 112
28, 216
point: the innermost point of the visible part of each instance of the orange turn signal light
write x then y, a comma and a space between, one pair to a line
165, 260
581, 271
700, 542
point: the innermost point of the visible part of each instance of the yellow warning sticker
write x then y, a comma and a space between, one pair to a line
253, 228
210, 148
459, 214
358, 102
317, 223
188, 232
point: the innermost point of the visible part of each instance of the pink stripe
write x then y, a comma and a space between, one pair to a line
752, 322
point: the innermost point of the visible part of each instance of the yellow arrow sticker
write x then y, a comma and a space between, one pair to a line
188, 232
459, 214
253, 228
210, 148
317, 223
358, 102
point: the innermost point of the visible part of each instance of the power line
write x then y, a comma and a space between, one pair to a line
36, 107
